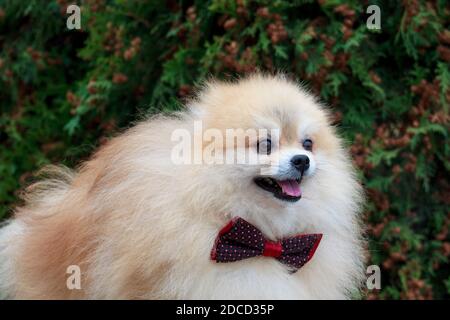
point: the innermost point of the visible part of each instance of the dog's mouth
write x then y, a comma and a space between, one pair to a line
287, 190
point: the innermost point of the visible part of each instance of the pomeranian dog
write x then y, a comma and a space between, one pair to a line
144, 217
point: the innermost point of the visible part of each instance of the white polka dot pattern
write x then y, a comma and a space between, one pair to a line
241, 240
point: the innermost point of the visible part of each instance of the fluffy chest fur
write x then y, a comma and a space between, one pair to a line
177, 264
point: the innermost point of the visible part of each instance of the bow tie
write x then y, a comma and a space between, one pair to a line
240, 240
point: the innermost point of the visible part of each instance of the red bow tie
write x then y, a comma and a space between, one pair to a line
240, 240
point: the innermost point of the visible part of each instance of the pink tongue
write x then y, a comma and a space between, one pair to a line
290, 187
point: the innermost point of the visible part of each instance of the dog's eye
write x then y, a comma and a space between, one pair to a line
264, 146
308, 144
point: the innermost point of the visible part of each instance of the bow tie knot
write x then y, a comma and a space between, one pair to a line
272, 249
240, 240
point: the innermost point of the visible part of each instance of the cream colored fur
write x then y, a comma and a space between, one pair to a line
141, 227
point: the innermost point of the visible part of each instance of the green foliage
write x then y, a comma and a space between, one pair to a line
62, 91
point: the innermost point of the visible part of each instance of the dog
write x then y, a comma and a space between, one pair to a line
144, 219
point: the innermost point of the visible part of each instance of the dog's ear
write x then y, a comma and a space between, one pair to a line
207, 95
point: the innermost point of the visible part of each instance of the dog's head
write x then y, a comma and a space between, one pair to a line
271, 144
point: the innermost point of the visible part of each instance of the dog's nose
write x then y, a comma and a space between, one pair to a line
300, 162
